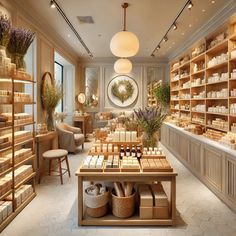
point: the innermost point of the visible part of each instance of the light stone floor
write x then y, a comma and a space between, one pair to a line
54, 210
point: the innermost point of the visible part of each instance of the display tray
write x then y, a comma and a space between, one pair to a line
105, 154
150, 169
130, 169
82, 169
109, 169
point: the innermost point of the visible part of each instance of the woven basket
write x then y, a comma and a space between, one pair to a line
97, 212
123, 207
96, 201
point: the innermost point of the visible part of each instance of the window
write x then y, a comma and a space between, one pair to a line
58, 68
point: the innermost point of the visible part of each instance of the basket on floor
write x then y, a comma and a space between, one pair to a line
123, 207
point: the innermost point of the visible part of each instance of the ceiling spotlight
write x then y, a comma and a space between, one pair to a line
165, 39
52, 4
152, 55
158, 47
190, 5
212, 1
174, 26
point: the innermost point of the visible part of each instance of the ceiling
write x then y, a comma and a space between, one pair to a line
148, 19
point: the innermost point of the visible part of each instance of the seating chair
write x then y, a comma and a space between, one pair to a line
69, 137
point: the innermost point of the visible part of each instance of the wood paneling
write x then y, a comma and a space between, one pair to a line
195, 155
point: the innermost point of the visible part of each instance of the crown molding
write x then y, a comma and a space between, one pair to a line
212, 24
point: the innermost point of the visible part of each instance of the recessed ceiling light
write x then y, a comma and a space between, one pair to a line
190, 25
203, 10
173, 43
213, 1
52, 4
190, 5
68, 35
165, 39
175, 26
182, 33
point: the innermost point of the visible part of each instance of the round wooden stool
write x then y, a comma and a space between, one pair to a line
59, 155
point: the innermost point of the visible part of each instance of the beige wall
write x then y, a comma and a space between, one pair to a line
46, 44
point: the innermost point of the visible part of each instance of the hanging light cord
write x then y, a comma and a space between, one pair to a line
176, 18
125, 5
72, 28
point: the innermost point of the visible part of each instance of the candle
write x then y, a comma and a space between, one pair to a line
133, 136
122, 136
127, 136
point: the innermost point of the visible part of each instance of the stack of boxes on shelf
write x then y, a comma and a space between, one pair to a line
154, 202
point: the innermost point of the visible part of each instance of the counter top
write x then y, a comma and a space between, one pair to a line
205, 140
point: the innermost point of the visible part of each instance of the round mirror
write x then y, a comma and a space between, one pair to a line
81, 98
46, 80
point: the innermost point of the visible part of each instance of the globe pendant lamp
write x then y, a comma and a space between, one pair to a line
124, 43
123, 66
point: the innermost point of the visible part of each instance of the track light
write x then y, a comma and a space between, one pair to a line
190, 5
152, 55
174, 26
52, 4
158, 47
165, 39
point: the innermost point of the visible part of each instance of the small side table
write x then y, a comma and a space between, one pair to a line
82, 122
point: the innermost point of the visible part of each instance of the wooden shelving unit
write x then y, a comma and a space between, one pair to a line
14, 84
200, 78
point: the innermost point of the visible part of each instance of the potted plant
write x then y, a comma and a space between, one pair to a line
162, 93
150, 120
51, 98
5, 27
20, 40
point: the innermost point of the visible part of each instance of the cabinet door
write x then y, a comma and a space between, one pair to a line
195, 155
231, 178
165, 135
213, 166
183, 147
174, 141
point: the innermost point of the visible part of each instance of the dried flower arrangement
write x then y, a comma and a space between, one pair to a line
20, 40
5, 28
150, 120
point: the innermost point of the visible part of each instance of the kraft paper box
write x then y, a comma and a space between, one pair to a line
146, 199
160, 197
160, 212
3, 209
146, 212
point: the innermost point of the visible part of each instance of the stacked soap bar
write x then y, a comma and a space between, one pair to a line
152, 151
21, 173
4, 142
5, 163
223, 93
233, 74
93, 162
5, 210
18, 135
233, 127
130, 162
194, 128
229, 140
213, 134
216, 77
233, 108
22, 97
199, 95
113, 161
198, 119
125, 136
223, 57
103, 148
155, 165
23, 75
218, 109
218, 123
5, 96
197, 82
19, 118
5, 184
21, 194
185, 96
199, 108
20, 155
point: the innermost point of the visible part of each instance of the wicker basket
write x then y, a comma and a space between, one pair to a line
123, 207
97, 212
96, 201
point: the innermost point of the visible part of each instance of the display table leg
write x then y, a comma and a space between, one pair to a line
80, 200
173, 200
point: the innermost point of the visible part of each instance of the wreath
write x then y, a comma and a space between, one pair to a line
123, 90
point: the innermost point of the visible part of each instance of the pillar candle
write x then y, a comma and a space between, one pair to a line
122, 136
127, 136
134, 136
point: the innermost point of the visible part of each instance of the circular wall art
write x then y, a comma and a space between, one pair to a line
122, 91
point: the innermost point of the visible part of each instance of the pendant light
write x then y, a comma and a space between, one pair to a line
124, 43
123, 66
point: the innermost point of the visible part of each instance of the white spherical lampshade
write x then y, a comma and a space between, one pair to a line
123, 66
124, 44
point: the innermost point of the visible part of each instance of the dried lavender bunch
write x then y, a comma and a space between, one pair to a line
20, 40
150, 119
5, 27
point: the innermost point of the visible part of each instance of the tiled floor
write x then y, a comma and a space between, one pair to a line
54, 210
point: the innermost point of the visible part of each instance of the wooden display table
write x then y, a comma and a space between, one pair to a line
83, 123
132, 177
